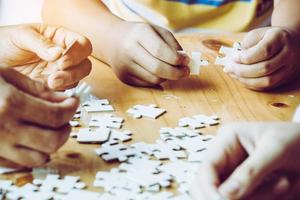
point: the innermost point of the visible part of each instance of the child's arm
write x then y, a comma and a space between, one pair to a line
270, 55
286, 14
139, 53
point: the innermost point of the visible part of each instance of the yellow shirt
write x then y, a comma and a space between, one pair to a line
228, 15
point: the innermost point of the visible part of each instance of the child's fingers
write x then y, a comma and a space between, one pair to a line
158, 48
158, 67
270, 45
143, 74
260, 69
168, 37
252, 38
61, 79
266, 82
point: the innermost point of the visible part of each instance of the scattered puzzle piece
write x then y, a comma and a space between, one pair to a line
151, 111
118, 152
100, 105
106, 121
198, 121
86, 135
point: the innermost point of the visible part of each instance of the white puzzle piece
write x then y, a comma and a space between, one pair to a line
86, 135
151, 111
118, 152
106, 121
100, 105
198, 121
227, 52
196, 62
117, 136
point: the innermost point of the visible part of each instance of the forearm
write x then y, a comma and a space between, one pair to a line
90, 18
286, 14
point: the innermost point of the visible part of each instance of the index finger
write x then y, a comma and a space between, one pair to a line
225, 155
77, 48
263, 50
159, 48
44, 113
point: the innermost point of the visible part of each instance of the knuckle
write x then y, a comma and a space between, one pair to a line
56, 117
158, 51
36, 160
155, 80
6, 100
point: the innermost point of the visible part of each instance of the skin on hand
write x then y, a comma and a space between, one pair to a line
269, 58
37, 51
252, 161
147, 54
34, 120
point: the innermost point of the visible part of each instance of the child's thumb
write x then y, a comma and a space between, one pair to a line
250, 173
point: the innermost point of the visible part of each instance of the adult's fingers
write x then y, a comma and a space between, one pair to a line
266, 48
38, 138
23, 156
31, 40
44, 113
260, 69
250, 173
158, 67
158, 48
276, 189
61, 79
77, 47
221, 161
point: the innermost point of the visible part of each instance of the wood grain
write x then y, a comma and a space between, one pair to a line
213, 92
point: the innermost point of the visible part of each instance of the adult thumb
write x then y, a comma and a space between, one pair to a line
249, 174
35, 42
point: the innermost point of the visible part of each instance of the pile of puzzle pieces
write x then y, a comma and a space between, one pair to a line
145, 170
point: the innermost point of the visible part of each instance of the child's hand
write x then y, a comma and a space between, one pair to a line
252, 161
146, 55
269, 58
37, 51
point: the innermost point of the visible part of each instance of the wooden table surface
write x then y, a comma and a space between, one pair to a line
213, 92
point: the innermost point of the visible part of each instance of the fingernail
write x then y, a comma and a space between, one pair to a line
55, 51
230, 188
58, 83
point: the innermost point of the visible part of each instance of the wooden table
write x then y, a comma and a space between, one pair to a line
213, 92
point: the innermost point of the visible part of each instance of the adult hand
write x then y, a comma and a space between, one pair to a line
53, 55
34, 120
252, 161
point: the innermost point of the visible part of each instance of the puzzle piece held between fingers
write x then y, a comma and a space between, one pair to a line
151, 111
196, 62
228, 52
